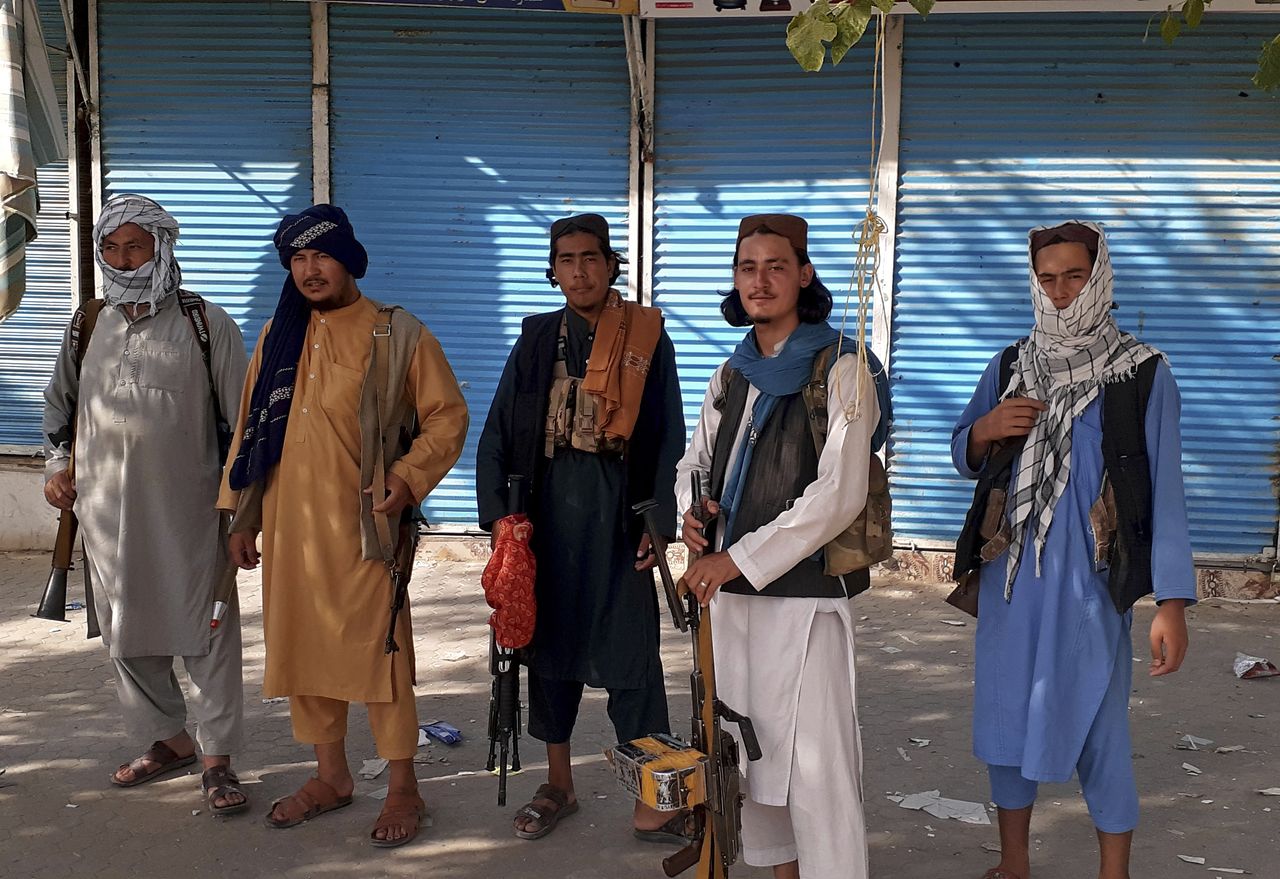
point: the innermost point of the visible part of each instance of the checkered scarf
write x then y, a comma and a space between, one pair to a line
153, 281
1070, 354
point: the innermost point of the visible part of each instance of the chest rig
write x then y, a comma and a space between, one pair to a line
573, 415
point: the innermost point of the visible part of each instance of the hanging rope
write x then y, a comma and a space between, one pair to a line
865, 281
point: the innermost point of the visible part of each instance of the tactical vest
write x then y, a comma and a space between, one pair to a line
573, 415
1121, 516
783, 465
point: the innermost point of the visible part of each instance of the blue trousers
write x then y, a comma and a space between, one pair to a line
1105, 769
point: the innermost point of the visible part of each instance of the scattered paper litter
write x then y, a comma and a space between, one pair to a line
993, 847
1192, 743
902, 752
1190, 859
956, 623
1247, 667
1235, 870
379, 794
195, 812
72, 806
941, 807
1191, 770
891, 649
373, 768
454, 656
1174, 832
1228, 749
275, 699
1270, 792
920, 743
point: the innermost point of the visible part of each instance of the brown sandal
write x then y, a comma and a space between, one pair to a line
164, 758
218, 782
546, 819
314, 799
400, 810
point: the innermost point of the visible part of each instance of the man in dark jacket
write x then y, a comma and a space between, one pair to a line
588, 410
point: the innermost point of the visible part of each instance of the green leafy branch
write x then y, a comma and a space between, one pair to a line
1191, 12
838, 25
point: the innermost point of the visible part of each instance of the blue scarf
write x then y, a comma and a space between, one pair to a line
775, 377
321, 227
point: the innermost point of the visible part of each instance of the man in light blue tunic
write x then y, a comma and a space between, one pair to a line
1054, 654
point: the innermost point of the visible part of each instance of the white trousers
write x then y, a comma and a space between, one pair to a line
822, 826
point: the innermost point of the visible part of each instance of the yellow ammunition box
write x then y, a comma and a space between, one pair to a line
661, 771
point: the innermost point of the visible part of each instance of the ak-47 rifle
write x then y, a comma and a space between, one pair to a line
54, 600
717, 821
504, 698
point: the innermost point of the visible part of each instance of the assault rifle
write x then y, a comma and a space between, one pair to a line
716, 821
504, 695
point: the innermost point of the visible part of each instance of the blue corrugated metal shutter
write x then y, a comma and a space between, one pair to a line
741, 130
458, 136
30, 338
206, 107
1009, 122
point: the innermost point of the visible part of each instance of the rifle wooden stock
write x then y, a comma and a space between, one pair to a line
64, 545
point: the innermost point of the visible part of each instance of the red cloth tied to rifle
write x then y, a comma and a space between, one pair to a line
508, 582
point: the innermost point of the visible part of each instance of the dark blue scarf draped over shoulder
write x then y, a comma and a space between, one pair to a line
325, 228
781, 376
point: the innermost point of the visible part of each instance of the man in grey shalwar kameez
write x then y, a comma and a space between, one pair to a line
147, 469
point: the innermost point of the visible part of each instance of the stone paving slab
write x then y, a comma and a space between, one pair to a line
60, 736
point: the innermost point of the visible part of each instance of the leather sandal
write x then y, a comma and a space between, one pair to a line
163, 759
400, 810
312, 800
546, 819
218, 782
673, 832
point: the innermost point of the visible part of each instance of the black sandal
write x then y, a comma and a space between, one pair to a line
674, 832
218, 782
545, 819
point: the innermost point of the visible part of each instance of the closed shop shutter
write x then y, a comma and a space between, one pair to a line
206, 107
742, 130
458, 137
1010, 122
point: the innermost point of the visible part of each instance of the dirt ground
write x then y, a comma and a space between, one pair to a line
60, 735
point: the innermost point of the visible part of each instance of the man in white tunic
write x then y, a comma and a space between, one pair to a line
784, 645
141, 408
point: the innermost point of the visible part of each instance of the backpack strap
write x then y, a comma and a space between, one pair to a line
192, 305
815, 396
82, 324
1007, 358
379, 374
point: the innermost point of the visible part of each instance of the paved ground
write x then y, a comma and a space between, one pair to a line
59, 737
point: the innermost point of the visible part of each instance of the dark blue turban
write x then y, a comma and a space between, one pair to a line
325, 228
321, 227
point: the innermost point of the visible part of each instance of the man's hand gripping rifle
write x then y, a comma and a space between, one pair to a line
716, 819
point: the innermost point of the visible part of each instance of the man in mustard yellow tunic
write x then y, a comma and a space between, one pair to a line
317, 425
